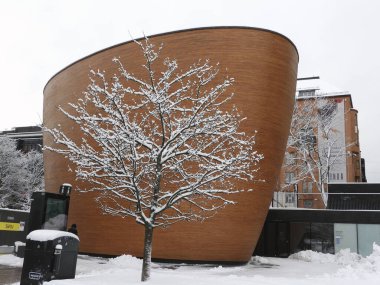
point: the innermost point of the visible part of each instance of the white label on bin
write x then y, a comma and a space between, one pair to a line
35, 275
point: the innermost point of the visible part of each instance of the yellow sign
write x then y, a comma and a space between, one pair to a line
5, 226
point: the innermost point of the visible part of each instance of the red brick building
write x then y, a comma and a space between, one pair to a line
298, 187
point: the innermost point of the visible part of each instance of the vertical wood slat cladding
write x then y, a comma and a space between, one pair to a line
264, 65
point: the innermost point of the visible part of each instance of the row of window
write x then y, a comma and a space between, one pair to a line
289, 177
306, 93
307, 186
30, 147
285, 238
290, 198
336, 176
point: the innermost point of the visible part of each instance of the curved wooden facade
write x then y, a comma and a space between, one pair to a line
264, 65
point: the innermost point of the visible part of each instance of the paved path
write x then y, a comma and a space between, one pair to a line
9, 275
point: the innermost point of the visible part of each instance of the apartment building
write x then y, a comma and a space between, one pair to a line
324, 149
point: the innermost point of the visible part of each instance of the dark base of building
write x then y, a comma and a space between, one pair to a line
289, 231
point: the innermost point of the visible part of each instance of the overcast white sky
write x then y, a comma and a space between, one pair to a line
337, 40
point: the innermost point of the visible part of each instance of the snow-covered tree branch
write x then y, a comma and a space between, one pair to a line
161, 149
313, 145
20, 175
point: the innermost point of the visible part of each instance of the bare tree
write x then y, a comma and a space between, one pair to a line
314, 145
20, 175
160, 149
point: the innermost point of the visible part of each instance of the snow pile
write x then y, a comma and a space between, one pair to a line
303, 268
374, 258
126, 261
11, 260
258, 260
364, 268
312, 256
45, 235
354, 266
346, 257
343, 257
18, 244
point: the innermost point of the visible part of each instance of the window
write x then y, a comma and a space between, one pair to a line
327, 111
355, 129
308, 203
335, 176
306, 93
289, 158
307, 187
289, 198
307, 136
290, 140
55, 216
289, 177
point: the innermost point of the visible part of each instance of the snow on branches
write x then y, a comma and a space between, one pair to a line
20, 175
314, 145
163, 148
159, 143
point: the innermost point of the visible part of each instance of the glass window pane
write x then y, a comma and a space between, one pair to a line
322, 237
345, 236
289, 177
308, 203
55, 217
270, 239
367, 235
282, 239
307, 187
299, 237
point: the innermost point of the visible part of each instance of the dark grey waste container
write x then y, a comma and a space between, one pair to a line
19, 249
49, 254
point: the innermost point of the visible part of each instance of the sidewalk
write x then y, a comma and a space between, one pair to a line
9, 274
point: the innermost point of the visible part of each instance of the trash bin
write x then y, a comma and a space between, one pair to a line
19, 249
49, 254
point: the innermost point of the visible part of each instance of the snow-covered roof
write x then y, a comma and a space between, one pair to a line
14, 210
311, 87
321, 87
45, 235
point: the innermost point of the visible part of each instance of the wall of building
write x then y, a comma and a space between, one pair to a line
13, 226
264, 65
353, 146
329, 231
28, 138
345, 152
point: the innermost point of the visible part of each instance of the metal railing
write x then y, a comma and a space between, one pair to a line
296, 199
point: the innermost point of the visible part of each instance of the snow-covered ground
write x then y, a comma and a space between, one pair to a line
306, 268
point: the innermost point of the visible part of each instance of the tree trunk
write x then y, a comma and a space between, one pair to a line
145, 274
